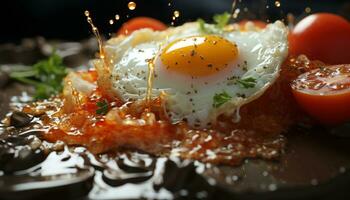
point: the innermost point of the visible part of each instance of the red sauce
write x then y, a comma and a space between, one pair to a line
132, 125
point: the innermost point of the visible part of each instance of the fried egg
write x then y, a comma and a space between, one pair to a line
202, 75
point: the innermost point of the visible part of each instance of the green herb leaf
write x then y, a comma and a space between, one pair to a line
46, 75
222, 20
201, 23
103, 107
207, 28
249, 82
220, 99
43, 91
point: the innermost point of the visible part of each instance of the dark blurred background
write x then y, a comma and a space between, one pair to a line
64, 19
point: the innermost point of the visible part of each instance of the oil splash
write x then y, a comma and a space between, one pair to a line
150, 82
234, 10
97, 34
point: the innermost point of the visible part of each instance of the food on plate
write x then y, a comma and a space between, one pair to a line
195, 71
216, 93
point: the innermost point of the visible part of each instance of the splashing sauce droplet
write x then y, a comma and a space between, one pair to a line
132, 5
150, 82
307, 9
95, 31
176, 13
234, 14
277, 4
117, 17
75, 94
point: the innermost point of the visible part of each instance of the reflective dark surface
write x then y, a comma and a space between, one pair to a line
315, 164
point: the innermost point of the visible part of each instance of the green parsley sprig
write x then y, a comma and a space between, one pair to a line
249, 82
220, 99
103, 107
221, 20
46, 75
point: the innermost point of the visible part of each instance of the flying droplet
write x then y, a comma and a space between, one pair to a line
236, 13
111, 21
307, 9
131, 5
176, 13
117, 17
277, 4
272, 187
234, 3
98, 38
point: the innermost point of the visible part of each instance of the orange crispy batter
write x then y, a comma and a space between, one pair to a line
133, 126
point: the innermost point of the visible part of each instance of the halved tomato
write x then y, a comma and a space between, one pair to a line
324, 93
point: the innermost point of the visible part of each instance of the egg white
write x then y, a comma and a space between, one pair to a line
261, 54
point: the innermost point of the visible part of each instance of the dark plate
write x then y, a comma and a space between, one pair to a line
314, 166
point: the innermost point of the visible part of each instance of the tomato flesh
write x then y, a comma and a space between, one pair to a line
325, 93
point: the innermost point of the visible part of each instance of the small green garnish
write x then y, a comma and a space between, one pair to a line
207, 28
249, 82
221, 20
220, 99
46, 75
202, 25
102, 107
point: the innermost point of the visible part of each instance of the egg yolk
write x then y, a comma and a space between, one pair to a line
199, 56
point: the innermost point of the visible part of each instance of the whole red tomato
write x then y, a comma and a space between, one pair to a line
322, 36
